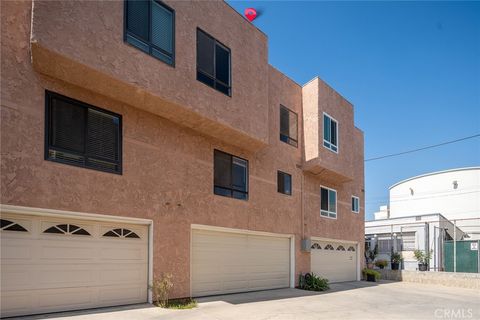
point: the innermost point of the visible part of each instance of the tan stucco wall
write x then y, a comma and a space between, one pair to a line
90, 45
167, 168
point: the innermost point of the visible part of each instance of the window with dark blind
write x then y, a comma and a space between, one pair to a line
150, 26
213, 63
230, 176
82, 135
288, 126
284, 183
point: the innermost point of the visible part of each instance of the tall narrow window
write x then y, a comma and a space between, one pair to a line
149, 26
330, 133
288, 126
213, 63
328, 202
284, 183
82, 135
355, 204
230, 176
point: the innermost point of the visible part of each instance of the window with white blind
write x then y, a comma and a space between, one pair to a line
330, 133
328, 202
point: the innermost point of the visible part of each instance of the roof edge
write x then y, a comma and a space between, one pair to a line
433, 173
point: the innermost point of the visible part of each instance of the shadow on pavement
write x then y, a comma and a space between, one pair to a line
288, 293
73, 314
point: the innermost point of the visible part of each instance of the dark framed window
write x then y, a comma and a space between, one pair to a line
213, 63
284, 183
230, 176
150, 27
328, 202
330, 133
288, 126
82, 135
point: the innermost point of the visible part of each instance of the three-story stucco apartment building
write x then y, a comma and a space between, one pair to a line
147, 137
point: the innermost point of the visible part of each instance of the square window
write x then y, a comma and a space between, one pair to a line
284, 183
330, 133
288, 126
150, 27
82, 135
328, 202
213, 63
230, 176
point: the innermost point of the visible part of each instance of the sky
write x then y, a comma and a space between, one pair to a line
411, 70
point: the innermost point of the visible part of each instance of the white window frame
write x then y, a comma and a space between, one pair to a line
329, 144
327, 214
358, 204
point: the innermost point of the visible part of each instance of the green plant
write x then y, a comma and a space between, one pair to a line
161, 288
396, 257
422, 257
370, 254
312, 282
185, 303
381, 263
371, 272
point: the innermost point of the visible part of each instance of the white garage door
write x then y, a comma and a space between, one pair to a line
334, 261
233, 262
51, 264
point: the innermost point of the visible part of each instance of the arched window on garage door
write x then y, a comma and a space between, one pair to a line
351, 249
121, 233
67, 229
340, 248
8, 225
316, 246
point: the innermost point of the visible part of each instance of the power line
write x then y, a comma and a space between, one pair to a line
423, 148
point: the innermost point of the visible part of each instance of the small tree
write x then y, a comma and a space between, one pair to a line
161, 288
370, 255
422, 257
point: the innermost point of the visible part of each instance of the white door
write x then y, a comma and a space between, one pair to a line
224, 262
335, 261
51, 264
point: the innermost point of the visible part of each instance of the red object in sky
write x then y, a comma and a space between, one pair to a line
251, 14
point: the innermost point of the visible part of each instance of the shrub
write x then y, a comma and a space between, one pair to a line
312, 282
396, 257
161, 288
371, 272
422, 257
381, 263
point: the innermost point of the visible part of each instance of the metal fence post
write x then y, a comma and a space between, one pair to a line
454, 245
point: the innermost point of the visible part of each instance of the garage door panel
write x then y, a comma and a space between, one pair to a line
224, 262
334, 265
12, 251
66, 252
56, 272
122, 253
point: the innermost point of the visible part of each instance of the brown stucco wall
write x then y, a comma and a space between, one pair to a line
167, 168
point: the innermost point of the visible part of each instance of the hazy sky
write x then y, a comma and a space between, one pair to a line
411, 69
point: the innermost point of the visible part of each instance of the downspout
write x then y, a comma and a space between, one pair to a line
302, 207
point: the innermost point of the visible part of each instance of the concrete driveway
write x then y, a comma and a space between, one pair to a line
351, 300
